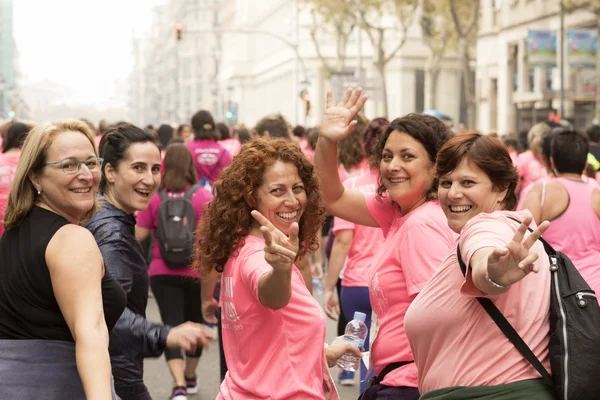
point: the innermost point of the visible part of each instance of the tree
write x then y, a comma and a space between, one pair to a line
438, 34
335, 15
592, 6
371, 17
465, 16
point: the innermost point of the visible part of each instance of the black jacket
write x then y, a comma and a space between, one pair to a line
133, 337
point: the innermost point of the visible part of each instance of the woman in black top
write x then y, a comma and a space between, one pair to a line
130, 176
56, 299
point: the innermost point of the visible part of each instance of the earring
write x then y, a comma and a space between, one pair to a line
39, 191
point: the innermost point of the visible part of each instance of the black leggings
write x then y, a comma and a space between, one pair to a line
178, 299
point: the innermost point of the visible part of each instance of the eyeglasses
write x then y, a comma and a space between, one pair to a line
73, 165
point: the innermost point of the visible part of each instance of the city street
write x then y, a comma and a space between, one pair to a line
158, 379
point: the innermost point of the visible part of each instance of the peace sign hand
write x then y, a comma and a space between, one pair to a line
511, 264
280, 250
337, 121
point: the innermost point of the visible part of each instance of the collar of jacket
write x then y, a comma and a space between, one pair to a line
108, 210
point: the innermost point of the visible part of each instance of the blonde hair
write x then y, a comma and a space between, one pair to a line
22, 196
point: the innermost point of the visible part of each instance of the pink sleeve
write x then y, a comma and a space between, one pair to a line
485, 231
147, 218
252, 269
418, 265
382, 211
342, 225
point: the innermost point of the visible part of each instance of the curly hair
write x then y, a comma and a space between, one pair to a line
351, 150
430, 131
227, 218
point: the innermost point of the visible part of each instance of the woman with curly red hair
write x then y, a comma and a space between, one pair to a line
266, 214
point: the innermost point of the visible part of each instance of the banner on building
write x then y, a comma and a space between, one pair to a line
541, 48
582, 48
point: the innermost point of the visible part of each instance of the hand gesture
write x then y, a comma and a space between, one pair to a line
338, 348
280, 250
511, 264
187, 336
331, 303
337, 121
209, 310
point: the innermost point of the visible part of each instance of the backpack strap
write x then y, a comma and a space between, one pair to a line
164, 196
190, 192
507, 328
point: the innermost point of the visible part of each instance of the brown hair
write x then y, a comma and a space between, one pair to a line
179, 168
227, 219
430, 131
23, 194
489, 154
351, 150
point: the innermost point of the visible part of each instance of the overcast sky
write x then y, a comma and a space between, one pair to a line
84, 45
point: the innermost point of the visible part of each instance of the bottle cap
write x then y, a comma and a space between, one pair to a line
360, 316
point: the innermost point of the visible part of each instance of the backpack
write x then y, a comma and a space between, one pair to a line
574, 347
176, 226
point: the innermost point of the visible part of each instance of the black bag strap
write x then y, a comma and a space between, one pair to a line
190, 192
164, 196
376, 380
507, 328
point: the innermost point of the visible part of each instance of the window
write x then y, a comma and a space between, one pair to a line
420, 90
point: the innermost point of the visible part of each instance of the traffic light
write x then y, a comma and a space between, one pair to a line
178, 28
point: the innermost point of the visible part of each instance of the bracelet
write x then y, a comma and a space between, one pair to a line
492, 282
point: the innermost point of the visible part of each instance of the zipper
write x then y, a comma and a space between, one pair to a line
554, 268
581, 302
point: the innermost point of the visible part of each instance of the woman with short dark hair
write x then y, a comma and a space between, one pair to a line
571, 201
459, 351
130, 177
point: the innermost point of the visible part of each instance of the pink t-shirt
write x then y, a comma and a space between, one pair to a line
210, 158
357, 170
305, 148
8, 166
271, 354
415, 246
366, 241
576, 232
232, 145
454, 341
149, 219
530, 169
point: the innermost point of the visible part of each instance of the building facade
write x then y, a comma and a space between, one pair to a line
8, 81
260, 72
511, 94
171, 78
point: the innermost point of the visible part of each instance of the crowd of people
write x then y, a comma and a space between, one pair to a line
229, 227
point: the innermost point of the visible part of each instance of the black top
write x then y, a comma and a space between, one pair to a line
28, 308
134, 337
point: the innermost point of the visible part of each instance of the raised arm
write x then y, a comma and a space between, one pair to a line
337, 124
76, 271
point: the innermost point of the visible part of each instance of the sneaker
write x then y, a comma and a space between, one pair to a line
211, 332
179, 393
346, 378
192, 385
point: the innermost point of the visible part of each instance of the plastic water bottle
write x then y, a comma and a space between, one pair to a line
317, 286
356, 333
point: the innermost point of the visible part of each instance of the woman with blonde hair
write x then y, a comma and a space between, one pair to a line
57, 302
